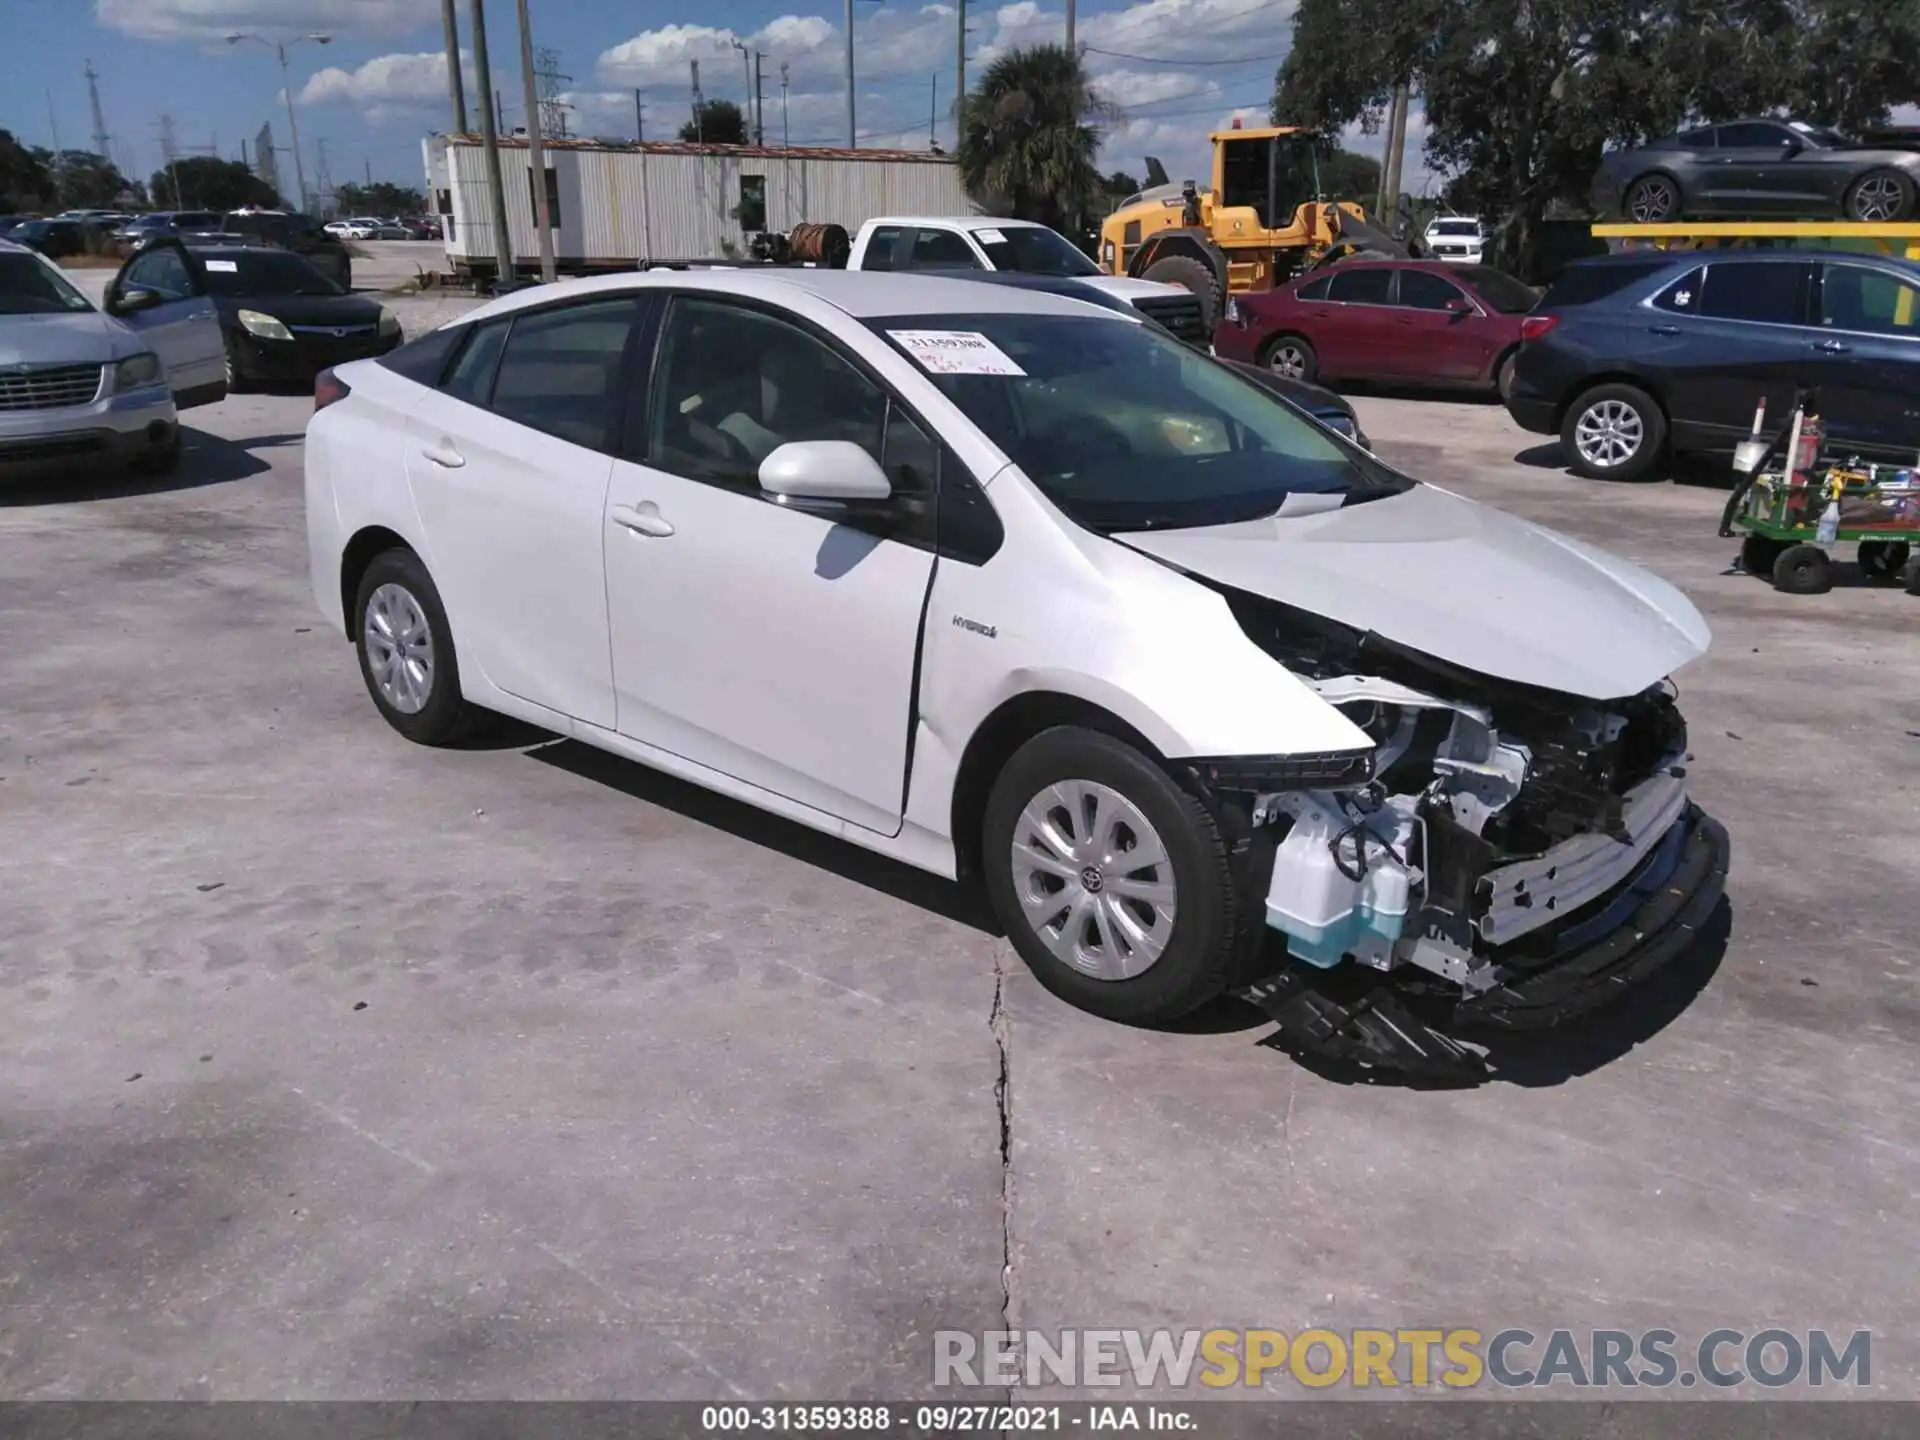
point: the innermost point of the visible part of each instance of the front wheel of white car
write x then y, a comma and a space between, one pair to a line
1111, 881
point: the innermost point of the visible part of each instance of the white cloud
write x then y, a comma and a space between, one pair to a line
212, 19
385, 80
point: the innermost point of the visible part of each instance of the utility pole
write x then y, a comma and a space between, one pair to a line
102, 142
368, 166
960, 71
759, 100
786, 135
639, 117
699, 106
323, 191
536, 150
553, 110
746, 67
169, 153
933, 112
1070, 49
490, 141
853, 135
456, 86
1396, 149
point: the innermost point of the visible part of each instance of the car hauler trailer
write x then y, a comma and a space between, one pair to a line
1901, 238
616, 204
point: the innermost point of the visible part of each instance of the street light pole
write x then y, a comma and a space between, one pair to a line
279, 48
853, 137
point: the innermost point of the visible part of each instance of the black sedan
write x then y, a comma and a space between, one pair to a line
1757, 169
280, 318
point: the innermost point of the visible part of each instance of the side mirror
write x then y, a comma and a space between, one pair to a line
1458, 306
1789, 149
129, 301
825, 476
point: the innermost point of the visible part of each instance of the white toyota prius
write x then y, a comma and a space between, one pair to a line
1012, 587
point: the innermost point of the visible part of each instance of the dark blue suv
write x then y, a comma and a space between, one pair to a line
1633, 357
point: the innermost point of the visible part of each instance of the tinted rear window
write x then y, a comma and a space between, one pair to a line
1767, 292
424, 360
1499, 290
1360, 287
1585, 284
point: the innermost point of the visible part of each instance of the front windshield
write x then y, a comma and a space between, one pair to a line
1034, 250
29, 288
1125, 428
1456, 227
265, 272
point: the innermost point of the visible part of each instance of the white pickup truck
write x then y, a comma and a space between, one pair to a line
980, 242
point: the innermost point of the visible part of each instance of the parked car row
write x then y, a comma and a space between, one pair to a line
182, 325
1629, 359
418, 227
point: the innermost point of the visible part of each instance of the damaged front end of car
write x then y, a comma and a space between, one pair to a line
1507, 857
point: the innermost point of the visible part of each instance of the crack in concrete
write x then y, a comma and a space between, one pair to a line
1003, 1101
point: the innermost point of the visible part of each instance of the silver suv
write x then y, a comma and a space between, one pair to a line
78, 387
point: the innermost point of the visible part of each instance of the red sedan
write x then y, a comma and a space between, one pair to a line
1408, 322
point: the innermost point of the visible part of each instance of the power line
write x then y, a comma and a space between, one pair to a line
1167, 60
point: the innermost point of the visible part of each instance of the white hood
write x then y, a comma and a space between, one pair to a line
1125, 287
1460, 581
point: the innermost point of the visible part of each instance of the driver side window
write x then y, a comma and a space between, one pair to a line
734, 384
163, 272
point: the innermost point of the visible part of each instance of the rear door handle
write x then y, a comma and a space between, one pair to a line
1833, 347
444, 455
1664, 329
643, 519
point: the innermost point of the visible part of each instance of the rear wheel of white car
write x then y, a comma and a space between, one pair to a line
1613, 432
406, 651
1112, 882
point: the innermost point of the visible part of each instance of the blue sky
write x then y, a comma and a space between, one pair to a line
1177, 69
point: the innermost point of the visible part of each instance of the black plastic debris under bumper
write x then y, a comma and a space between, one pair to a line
1395, 1021
1645, 924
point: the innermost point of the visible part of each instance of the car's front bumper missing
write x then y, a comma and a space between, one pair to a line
1402, 1020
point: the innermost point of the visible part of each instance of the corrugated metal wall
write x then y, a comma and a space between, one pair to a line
619, 206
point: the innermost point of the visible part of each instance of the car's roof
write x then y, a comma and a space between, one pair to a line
863, 294
959, 222
8, 247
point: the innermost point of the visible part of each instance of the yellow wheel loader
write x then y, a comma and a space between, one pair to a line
1264, 221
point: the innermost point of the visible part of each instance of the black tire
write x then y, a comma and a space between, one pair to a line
1189, 274
161, 462
1652, 200
1503, 375
1803, 570
1880, 196
238, 381
1599, 406
444, 717
1757, 554
1913, 578
1201, 953
1307, 363
1884, 560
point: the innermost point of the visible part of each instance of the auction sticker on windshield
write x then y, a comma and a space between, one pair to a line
223, 267
956, 352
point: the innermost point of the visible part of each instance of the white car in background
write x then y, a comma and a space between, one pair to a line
1460, 241
1004, 584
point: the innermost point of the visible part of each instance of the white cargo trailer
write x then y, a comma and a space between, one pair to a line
616, 204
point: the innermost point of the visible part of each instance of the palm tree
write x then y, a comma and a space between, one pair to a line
1026, 142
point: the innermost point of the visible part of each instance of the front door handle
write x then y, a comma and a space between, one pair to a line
444, 455
643, 519
1833, 347
1664, 329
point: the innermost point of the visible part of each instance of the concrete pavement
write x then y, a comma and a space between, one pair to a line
332, 1066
